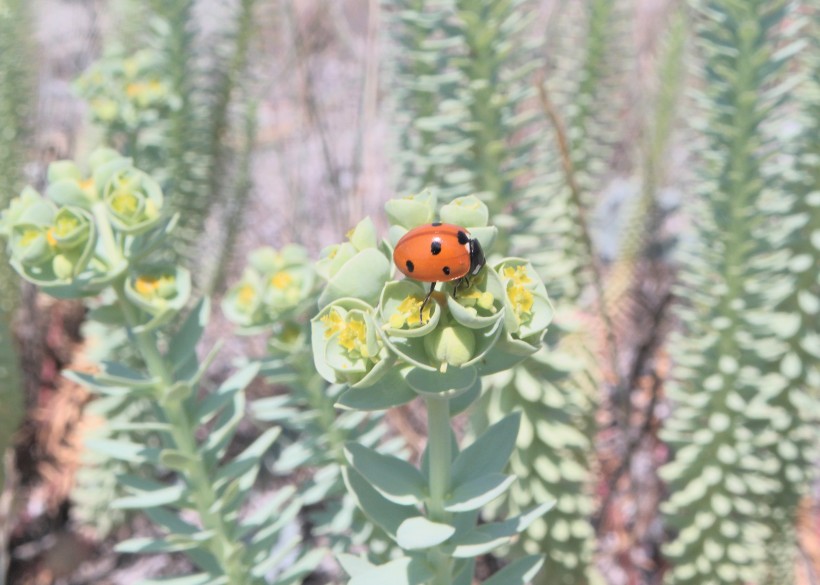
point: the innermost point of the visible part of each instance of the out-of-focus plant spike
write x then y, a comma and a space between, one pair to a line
643, 221
426, 84
187, 139
796, 447
235, 205
592, 108
16, 90
742, 430
229, 75
15, 98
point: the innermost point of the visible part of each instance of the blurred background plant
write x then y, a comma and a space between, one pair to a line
287, 122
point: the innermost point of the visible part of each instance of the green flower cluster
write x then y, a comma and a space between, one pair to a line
277, 288
127, 93
368, 333
94, 230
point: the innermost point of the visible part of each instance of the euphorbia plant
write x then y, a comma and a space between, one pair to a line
369, 335
94, 236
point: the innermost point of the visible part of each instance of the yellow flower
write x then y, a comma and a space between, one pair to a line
333, 322
353, 338
125, 203
352, 333
32, 234
281, 280
246, 294
407, 313
151, 287
518, 274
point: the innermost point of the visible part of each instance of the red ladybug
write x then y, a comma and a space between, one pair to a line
438, 252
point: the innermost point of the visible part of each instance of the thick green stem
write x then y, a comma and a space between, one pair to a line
183, 432
440, 456
182, 429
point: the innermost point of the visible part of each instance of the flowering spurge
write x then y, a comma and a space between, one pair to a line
127, 94
92, 237
369, 335
277, 295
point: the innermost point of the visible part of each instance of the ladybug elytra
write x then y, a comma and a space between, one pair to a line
438, 252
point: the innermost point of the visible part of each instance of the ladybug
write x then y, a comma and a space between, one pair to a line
438, 252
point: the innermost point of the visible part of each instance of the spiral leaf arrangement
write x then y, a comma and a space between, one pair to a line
742, 429
96, 235
277, 294
370, 336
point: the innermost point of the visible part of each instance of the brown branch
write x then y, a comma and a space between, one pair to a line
564, 149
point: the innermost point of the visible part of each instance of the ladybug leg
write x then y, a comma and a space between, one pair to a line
463, 280
423, 304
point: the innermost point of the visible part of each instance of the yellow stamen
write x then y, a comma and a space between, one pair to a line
146, 285
281, 280
246, 294
333, 323
52, 241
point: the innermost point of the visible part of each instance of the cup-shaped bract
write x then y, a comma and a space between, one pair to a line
126, 93
133, 200
73, 236
243, 301
400, 310
27, 208
346, 344
30, 244
467, 211
69, 186
160, 291
528, 310
413, 210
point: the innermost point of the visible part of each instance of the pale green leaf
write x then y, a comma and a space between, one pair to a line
396, 479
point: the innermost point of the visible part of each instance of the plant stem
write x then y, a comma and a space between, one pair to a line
440, 456
112, 250
183, 432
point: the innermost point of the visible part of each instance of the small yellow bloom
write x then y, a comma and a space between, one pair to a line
281, 280
146, 285
353, 337
65, 225
151, 287
52, 241
333, 322
407, 313
124, 203
246, 294
87, 185
518, 274
30, 235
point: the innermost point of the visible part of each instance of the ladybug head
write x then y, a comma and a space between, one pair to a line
477, 260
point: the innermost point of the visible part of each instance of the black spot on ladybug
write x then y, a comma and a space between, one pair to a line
435, 247
446, 270
463, 238
410, 266
436, 223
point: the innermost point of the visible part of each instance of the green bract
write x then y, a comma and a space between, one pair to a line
528, 308
127, 92
159, 291
413, 210
462, 324
133, 200
275, 285
346, 344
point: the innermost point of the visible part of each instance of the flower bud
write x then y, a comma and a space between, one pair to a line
452, 344
412, 210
